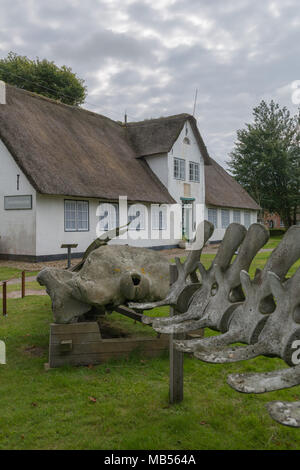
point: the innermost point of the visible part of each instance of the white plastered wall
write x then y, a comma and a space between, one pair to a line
17, 227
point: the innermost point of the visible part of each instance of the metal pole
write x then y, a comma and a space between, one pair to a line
176, 357
23, 284
4, 302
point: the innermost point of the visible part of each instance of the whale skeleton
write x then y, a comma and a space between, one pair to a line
263, 313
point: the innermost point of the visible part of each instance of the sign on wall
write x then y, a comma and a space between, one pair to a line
17, 202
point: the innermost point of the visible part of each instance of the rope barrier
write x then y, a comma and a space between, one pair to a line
4, 283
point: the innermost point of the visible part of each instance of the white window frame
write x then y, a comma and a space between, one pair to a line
237, 216
212, 216
194, 172
76, 210
247, 213
179, 168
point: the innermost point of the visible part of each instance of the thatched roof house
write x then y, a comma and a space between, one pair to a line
59, 162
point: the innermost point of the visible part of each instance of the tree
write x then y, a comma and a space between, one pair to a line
43, 77
266, 160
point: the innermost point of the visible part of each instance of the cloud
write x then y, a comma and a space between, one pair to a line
148, 57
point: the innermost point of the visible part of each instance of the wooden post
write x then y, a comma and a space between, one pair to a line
69, 257
4, 302
176, 357
69, 246
23, 284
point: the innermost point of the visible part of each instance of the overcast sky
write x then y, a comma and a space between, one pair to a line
149, 56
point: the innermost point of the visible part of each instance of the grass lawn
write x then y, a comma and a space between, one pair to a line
273, 242
129, 407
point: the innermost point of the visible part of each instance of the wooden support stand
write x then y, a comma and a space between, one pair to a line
81, 344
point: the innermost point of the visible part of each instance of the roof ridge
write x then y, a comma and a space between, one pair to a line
60, 103
162, 118
49, 142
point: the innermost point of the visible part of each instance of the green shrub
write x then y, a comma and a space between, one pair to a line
277, 232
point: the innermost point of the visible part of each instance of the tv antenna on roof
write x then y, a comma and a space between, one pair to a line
195, 102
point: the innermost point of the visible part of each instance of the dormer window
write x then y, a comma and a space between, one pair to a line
186, 141
179, 169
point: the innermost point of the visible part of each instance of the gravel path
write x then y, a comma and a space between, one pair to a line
17, 280
17, 294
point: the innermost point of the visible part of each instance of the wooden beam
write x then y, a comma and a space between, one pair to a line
128, 312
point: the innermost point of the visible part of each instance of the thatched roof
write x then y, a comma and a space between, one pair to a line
156, 136
223, 190
64, 150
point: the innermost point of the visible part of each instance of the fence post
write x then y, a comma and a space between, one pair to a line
4, 302
176, 357
23, 284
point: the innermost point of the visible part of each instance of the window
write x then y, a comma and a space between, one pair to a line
186, 141
17, 202
108, 216
159, 217
136, 217
194, 172
237, 216
76, 216
225, 215
213, 217
247, 219
179, 169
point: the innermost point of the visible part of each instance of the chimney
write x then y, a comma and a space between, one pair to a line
2, 92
